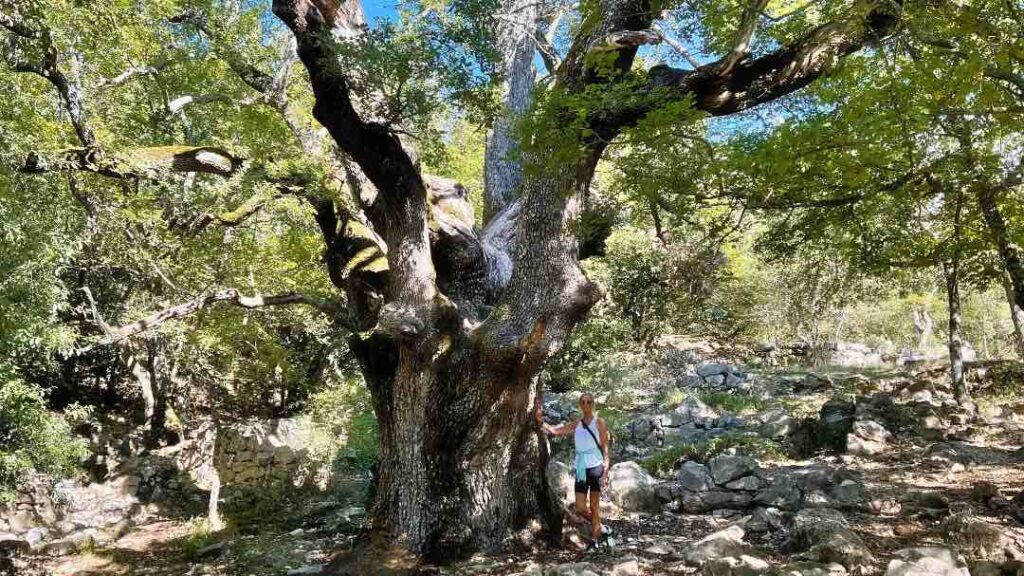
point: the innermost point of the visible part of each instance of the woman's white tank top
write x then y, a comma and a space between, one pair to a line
585, 445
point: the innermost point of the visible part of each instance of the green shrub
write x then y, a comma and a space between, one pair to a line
343, 425
735, 403
664, 462
199, 536
32, 438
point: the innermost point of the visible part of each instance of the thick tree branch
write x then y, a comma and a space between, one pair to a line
755, 81
10, 21
69, 92
113, 335
400, 211
143, 163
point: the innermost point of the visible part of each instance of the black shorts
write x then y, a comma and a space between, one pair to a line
593, 481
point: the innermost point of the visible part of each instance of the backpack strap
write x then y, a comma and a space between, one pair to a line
592, 435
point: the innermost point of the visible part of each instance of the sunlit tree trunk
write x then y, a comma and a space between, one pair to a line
956, 359
516, 24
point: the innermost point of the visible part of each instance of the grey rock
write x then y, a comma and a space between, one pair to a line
926, 561
627, 568
849, 492
735, 566
659, 549
706, 370
871, 430
572, 569
823, 535
812, 569
725, 468
727, 542
783, 492
729, 420
310, 569
632, 488
35, 536
734, 381
817, 498
693, 411
765, 520
748, 483
667, 491
835, 422
775, 423
695, 477
700, 502
715, 381
69, 544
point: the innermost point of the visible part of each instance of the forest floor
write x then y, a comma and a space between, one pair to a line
965, 493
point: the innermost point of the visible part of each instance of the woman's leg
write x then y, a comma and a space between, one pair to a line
581, 503
594, 484
581, 497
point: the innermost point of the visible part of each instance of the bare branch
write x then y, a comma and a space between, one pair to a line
676, 45
744, 35
96, 316
178, 104
70, 93
546, 41
134, 72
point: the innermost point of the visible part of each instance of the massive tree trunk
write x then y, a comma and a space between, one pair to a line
458, 465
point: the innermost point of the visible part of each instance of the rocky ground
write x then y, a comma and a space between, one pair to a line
721, 471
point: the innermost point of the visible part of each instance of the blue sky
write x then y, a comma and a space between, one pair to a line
377, 9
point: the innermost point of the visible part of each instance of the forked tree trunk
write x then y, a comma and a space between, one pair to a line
461, 467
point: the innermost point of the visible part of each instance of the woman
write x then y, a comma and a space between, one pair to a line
592, 460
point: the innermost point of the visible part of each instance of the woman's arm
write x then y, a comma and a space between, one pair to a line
561, 430
602, 429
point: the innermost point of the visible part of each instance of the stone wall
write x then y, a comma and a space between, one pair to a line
259, 451
57, 517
